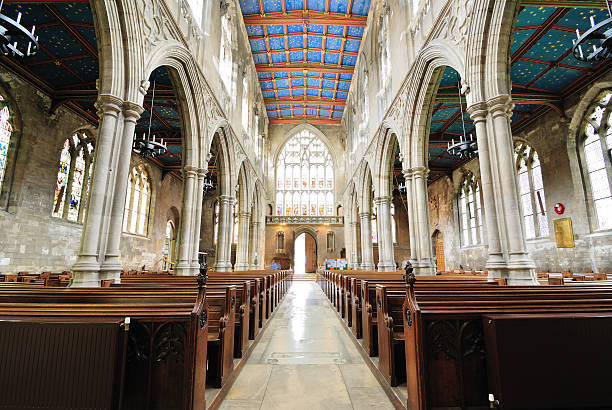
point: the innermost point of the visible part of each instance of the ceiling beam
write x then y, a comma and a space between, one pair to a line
306, 17
300, 66
74, 33
586, 4
322, 50
308, 99
296, 34
302, 119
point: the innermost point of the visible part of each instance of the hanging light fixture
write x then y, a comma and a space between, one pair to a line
15, 39
598, 37
466, 147
149, 145
208, 182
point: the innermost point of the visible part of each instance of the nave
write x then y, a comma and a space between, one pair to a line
306, 360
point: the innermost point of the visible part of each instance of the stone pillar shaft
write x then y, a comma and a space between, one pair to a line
87, 267
418, 221
242, 251
224, 234
386, 258
197, 221
254, 238
354, 242
367, 253
183, 267
111, 268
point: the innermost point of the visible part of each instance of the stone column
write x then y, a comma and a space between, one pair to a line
495, 259
354, 253
418, 220
87, 266
224, 234
517, 267
111, 267
242, 250
367, 253
386, 258
197, 221
183, 267
254, 256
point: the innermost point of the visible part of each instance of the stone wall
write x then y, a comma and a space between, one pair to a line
31, 239
292, 232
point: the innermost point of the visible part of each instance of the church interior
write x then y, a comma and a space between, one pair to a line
305, 204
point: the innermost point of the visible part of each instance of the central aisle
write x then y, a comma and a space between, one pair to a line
305, 360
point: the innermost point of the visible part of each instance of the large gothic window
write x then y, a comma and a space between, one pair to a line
236, 223
5, 138
531, 190
597, 146
216, 223
137, 202
305, 177
225, 54
245, 104
73, 178
470, 211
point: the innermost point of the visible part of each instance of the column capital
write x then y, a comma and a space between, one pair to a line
478, 111
501, 105
416, 172
363, 215
190, 171
202, 172
132, 111
107, 104
354, 223
244, 214
226, 199
383, 200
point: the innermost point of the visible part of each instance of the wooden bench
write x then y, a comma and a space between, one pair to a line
165, 354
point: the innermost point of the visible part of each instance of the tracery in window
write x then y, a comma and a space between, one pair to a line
374, 224
305, 177
225, 54
169, 246
137, 202
331, 241
280, 241
531, 190
597, 145
73, 178
385, 48
470, 211
6, 129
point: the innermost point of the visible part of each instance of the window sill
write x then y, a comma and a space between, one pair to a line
471, 247
135, 235
599, 233
66, 222
541, 239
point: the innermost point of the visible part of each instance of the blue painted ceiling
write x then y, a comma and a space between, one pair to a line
544, 72
305, 52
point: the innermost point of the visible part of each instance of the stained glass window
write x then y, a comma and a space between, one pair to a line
598, 141
305, 177
531, 190
5, 138
470, 211
137, 202
73, 178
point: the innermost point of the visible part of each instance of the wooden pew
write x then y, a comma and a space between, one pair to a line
448, 363
165, 356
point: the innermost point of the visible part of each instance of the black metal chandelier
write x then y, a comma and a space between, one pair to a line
595, 44
466, 147
149, 146
208, 182
15, 39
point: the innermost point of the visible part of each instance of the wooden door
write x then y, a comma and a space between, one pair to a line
311, 254
439, 253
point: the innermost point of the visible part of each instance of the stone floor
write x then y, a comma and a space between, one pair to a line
305, 360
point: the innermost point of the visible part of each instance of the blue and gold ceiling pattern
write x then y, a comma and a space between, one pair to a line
544, 72
305, 53
66, 68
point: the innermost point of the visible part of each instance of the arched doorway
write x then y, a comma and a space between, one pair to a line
305, 254
438, 248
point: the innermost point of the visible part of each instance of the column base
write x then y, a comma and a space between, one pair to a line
367, 266
111, 269
519, 271
222, 267
241, 266
183, 269
423, 268
386, 267
86, 272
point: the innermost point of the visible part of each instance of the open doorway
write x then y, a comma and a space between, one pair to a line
305, 254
